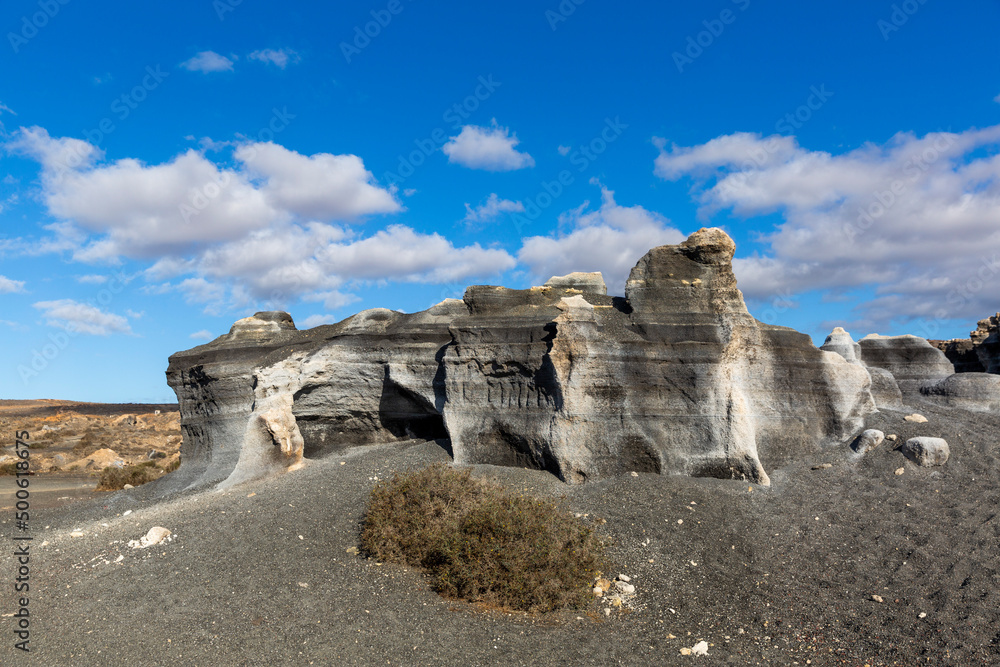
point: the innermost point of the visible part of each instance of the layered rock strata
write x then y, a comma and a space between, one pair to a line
676, 377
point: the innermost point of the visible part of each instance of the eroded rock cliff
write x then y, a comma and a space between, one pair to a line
676, 377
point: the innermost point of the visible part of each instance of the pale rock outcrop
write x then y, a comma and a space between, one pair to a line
840, 341
977, 392
676, 378
912, 361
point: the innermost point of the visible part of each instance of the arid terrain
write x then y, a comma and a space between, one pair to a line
268, 572
72, 439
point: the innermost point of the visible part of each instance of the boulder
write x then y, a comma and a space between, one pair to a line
676, 377
925, 451
912, 361
867, 441
978, 392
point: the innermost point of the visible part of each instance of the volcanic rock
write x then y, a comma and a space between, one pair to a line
840, 341
977, 392
676, 378
926, 451
912, 361
867, 441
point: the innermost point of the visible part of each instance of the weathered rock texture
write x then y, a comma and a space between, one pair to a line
926, 451
676, 377
912, 361
976, 392
884, 389
979, 353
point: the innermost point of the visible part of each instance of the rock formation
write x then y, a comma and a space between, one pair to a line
979, 353
976, 392
912, 361
676, 377
884, 389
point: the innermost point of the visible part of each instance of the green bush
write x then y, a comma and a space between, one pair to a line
113, 478
481, 543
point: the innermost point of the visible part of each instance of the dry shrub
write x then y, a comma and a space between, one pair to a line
88, 444
113, 478
481, 543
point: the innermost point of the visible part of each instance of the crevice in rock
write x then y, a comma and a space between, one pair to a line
406, 414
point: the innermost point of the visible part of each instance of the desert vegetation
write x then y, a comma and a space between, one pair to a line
481, 543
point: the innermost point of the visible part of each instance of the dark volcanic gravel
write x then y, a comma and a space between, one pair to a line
261, 574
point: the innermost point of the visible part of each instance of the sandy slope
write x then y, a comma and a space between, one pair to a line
769, 576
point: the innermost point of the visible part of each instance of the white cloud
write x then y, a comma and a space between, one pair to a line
279, 57
74, 316
4, 109
259, 232
8, 286
489, 148
204, 334
321, 186
564, 150
93, 279
491, 209
997, 99
208, 61
317, 320
915, 219
190, 202
610, 240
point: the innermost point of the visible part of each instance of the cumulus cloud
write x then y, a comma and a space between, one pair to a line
191, 202
489, 148
204, 334
491, 209
610, 239
278, 57
322, 186
77, 317
915, 218
208, 61
270, 226
92, 279
8, 286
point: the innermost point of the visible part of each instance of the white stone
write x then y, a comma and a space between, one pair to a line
701, 648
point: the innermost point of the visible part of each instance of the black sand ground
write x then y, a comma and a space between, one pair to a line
785, 575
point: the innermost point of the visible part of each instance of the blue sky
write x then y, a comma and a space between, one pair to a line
167, 169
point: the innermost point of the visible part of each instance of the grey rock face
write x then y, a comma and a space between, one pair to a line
675, 378
867, 441
977, 392
587, 283
926, 451
885, 391
986, 339
961, 353
840, 341
912, 361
